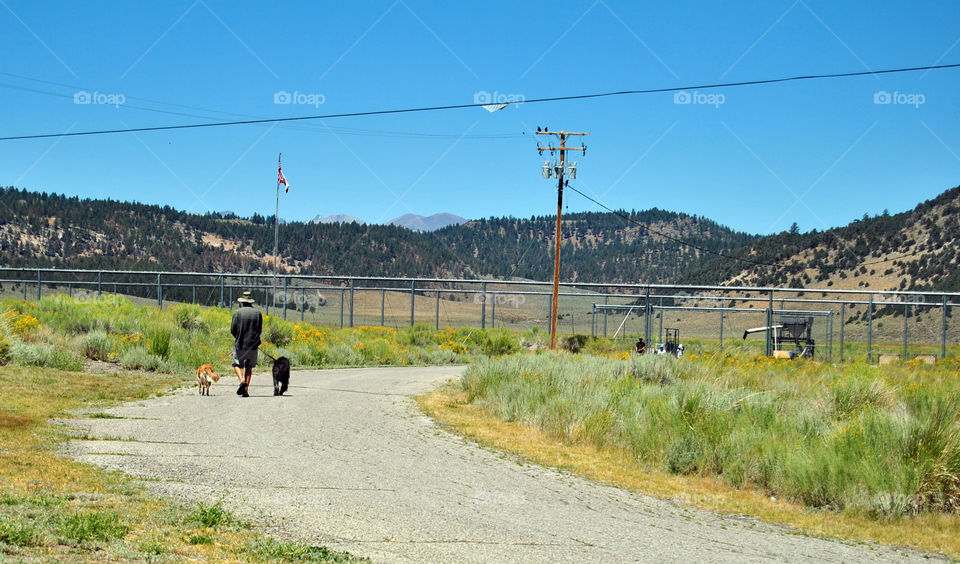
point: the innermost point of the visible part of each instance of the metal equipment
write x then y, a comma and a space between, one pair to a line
798, 329
671, 341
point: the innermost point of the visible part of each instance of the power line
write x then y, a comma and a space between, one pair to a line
475, 105
317, 129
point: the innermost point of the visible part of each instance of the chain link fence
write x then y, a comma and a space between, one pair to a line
844, 324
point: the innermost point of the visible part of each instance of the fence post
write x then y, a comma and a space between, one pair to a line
870, 330
943, 330
383, 306
159, 292
303, 302
285, 280
646, 316
99, 284
483, 305
194, 294
843, 318
660, 329
830, 349
24, 287
413, 296
722, 305
351, 300
606, 301
549, 315
493, 311
769, 325
906, 317
38, 285
593, 320
437, 324
341, 308
221, 291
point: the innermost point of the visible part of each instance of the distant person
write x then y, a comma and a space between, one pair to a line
641, 346
245, 327
680, 350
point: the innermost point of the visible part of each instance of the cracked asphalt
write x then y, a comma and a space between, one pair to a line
347, 461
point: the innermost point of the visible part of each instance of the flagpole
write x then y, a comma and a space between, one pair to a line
276, 234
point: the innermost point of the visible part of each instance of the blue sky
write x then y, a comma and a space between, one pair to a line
819, 153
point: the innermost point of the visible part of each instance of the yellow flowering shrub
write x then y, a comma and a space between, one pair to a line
25, 326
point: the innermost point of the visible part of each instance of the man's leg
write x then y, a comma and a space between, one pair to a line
242, 389
246, 383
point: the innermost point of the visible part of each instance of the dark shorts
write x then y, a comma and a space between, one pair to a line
245, 359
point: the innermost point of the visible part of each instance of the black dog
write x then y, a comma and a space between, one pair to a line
281, 375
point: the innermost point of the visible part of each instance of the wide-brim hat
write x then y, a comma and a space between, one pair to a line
246, 298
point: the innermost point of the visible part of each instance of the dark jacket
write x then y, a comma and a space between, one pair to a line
246, 327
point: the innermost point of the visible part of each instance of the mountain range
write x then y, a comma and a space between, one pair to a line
338, 218
429, 223
915, 249
411, 221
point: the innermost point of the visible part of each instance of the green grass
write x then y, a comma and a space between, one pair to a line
19, 532
92, 526
44, 354
858, 438
212, 515
271, 550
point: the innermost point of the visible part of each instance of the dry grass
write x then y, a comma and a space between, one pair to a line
448, 405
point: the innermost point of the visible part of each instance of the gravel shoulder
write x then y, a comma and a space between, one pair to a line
347, 461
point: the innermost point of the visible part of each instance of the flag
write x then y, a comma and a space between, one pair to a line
280, 178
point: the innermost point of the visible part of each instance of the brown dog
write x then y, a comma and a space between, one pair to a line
205, 377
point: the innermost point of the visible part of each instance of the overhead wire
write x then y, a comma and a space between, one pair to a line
717, 253
646, 227
308, 127
476, 105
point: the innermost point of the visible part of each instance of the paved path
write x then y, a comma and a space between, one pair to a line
347, 461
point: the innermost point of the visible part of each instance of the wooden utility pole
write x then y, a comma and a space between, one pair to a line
557, 170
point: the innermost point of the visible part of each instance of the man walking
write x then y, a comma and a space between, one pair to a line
246, 327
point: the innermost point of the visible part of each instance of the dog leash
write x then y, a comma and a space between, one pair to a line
268, 355
224, 358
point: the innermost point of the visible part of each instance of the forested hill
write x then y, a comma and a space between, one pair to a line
39, 229
916, 249
596, 247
